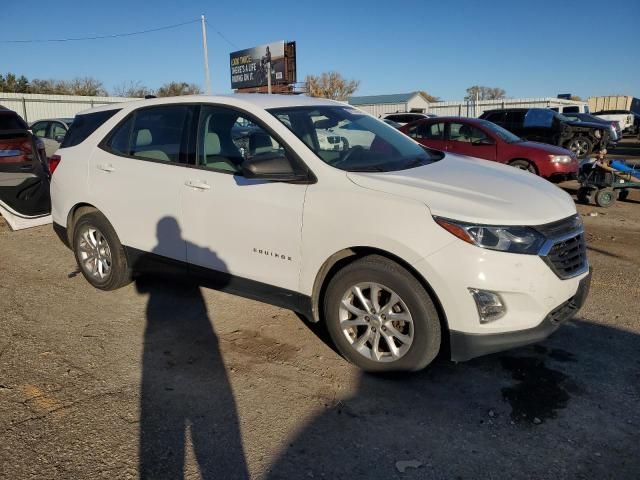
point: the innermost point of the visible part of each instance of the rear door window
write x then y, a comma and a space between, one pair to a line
515, 119
85, 125
155, 133
573, 109
40, 129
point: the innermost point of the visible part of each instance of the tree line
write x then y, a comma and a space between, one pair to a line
327, 85
334, 86
91, 87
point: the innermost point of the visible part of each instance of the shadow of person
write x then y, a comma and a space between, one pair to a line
185, 390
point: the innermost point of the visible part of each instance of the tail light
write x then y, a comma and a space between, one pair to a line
54, 160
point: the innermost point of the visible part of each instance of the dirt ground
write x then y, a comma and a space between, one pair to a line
161, 380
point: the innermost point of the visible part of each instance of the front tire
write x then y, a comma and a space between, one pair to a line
524, 165
99, 253
380, 317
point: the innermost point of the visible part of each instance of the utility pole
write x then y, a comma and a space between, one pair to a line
207, 77
269, 78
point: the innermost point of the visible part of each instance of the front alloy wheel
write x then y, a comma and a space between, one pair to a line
376, 322
380, 317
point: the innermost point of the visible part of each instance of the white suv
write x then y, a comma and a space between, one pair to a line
402, 251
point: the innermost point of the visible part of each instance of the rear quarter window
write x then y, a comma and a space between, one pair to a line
85, 125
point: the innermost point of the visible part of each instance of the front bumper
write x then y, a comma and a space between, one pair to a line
465, 346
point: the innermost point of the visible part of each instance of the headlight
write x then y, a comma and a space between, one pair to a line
560, 158
512, 239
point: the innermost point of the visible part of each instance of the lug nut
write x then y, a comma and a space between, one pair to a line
383, 316
373, 329
384, 329
366, 319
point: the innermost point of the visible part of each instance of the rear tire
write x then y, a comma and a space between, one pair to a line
605, 197
380, 317
99, 253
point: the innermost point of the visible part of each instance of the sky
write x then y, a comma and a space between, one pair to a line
528, 48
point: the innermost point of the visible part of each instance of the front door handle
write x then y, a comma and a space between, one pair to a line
106, 167
197, 184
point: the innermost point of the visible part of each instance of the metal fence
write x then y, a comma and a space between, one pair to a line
34, 107
472, 109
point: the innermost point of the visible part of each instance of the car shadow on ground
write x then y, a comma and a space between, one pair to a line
568, 408
185, 390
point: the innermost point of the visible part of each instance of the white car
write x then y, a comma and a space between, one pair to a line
402, 251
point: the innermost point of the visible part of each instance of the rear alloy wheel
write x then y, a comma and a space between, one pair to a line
524, 165
99, 253
380, 317
605, 197
581, 146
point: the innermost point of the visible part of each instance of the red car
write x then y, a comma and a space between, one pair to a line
483, 139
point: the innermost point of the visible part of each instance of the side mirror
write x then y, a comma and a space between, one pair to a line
59, 138
272, 166
484, 141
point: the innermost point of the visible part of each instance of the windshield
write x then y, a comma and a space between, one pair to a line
350, 140
505, 135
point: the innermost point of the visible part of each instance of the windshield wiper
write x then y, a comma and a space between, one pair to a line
368, 169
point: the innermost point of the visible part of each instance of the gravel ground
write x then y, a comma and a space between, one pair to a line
162, 380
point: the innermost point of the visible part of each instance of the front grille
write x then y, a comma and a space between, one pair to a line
568, 257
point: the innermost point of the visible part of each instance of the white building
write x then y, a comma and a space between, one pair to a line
379, 105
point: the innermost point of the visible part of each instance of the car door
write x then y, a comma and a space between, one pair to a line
428, 133
238, 227
514, 122
137, 175
466, 139
538, 125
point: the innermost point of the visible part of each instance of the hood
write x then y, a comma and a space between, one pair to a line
588, 124
544, 147
475, 190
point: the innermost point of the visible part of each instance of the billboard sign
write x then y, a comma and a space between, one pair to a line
249, 67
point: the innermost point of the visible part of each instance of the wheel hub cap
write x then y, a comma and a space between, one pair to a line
94, 253
376, 322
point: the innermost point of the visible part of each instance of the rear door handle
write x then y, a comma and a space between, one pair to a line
197, 184
106, 167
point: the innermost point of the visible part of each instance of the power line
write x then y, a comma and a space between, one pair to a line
98, 37
221, 35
